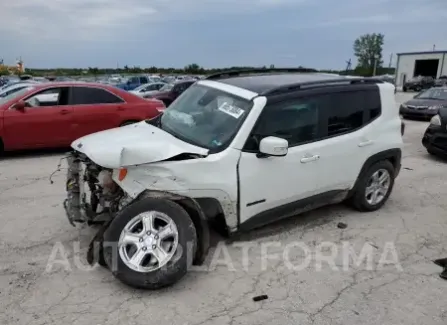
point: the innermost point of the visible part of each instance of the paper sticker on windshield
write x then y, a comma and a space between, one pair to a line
234, 111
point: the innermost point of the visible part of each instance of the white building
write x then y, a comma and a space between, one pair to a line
414, 64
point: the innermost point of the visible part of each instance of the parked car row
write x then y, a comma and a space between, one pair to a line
441, 81
134, 82
430, 104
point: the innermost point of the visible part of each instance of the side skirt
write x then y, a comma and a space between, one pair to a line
293, 209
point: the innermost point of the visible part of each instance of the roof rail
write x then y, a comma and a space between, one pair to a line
238, 73
321, 83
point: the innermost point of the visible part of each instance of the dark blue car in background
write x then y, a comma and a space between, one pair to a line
134, 82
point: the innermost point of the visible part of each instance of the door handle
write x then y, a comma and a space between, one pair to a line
64, 111
366, 143
309, 159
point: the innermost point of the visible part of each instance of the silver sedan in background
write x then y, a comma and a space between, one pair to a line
146, 89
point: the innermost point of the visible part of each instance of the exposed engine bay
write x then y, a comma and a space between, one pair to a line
93, 196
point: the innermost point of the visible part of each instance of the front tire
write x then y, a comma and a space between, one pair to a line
150, 244
374, 187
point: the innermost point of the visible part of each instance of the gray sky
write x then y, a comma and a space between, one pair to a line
212, 33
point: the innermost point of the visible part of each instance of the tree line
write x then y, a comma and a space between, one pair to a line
367, 48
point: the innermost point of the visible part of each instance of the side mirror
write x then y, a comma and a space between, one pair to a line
19, 106
273, 146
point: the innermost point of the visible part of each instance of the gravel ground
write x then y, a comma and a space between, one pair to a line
412, 224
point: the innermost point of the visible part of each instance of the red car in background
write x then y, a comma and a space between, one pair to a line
53, 115
169, 92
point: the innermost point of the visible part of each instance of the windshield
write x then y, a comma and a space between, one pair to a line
167, 87
141, 87
205, 117
433, 93
15, 94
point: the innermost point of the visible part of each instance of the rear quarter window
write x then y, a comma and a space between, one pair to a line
349, 111
373, 104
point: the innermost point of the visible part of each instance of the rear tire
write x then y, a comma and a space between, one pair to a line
431, 152
361, 199
178, 260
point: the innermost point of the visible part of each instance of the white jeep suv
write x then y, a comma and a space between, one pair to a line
240, 149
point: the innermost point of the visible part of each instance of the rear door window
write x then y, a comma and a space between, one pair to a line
152, 87
373, 104
91, 95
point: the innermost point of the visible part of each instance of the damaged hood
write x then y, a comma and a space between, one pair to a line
134, 144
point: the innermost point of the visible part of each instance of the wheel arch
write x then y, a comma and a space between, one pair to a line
198, 217
392, 155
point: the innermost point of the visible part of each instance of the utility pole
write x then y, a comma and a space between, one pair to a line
391, 60
376, 58
348, 66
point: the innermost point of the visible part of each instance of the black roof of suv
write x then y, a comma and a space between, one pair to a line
274, 81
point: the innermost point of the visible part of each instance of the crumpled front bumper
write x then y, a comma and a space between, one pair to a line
73, 202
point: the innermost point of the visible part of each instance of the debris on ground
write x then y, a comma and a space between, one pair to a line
261, 297
442, 262
342, 225
443, 274
407, 168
